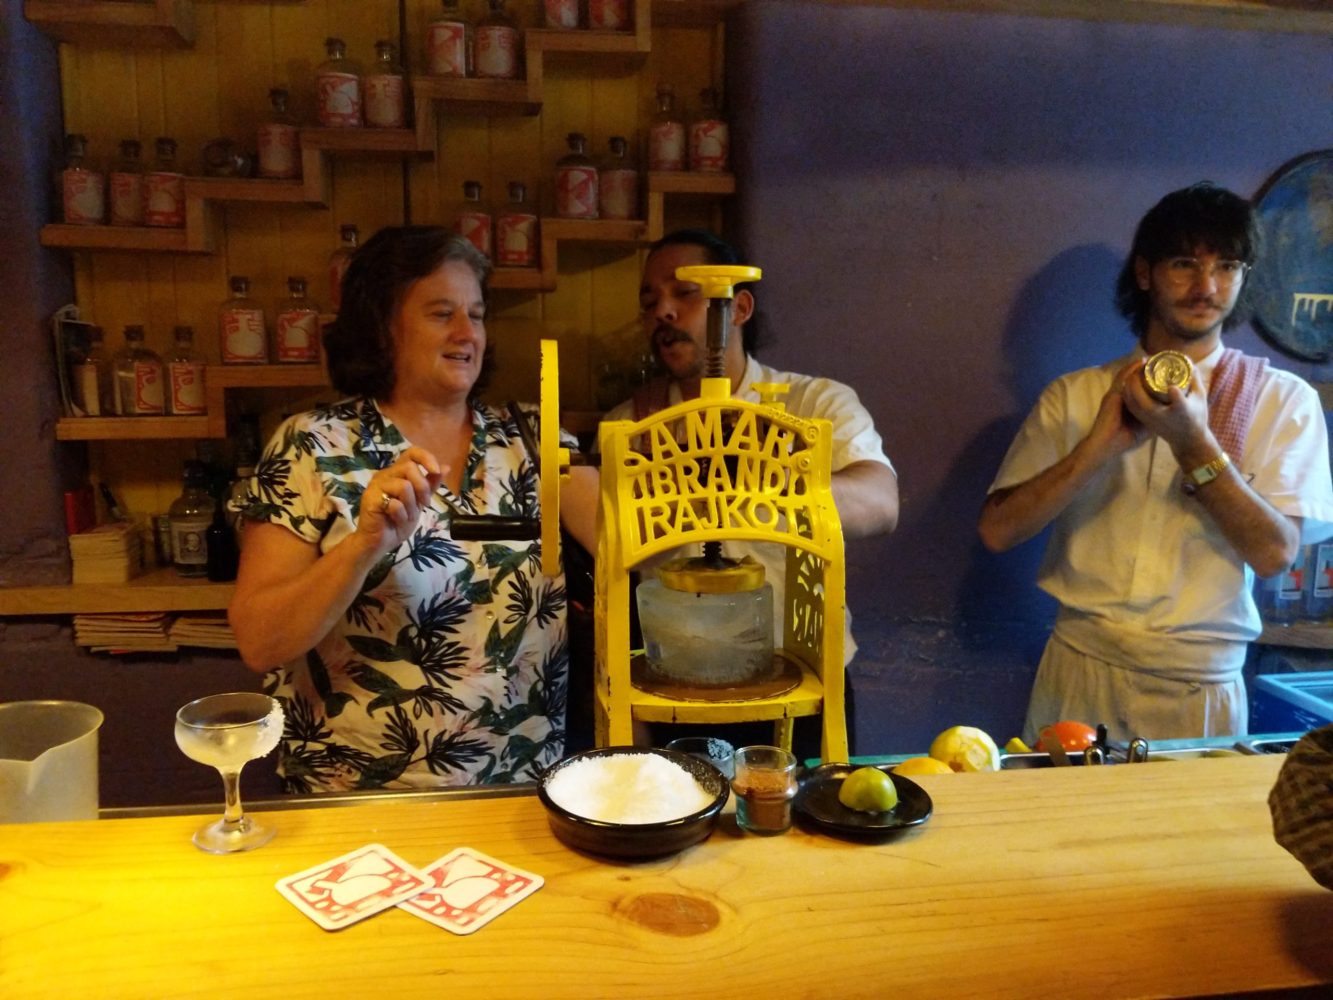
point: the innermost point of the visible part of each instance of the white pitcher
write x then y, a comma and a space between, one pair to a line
48, 761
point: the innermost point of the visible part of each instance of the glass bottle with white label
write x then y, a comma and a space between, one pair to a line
125, 184
576, 181
516, 230
710, 138
185, 376
609, 15
449, 43
189, 517
164, 188
473, 218
338, 99
137, 377
618, 183
242, 331
497, 44
296, 328
90, 378
82, 185
279, 140
563, 14
666, 134
385, 90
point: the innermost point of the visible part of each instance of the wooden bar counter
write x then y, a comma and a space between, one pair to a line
1158, 880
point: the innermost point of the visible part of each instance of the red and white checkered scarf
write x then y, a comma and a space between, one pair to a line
1232, 395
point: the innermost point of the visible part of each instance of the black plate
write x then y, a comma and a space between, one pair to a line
817, 804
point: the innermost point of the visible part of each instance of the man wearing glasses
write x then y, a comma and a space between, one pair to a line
1163, 507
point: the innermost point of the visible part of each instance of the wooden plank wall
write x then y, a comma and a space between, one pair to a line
219, 87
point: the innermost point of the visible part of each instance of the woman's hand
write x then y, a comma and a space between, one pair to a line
395, 497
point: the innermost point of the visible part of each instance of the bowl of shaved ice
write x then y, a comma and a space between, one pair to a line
632, 802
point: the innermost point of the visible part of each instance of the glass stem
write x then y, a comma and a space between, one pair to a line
231, 785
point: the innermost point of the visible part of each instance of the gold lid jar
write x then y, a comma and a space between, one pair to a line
1165, 369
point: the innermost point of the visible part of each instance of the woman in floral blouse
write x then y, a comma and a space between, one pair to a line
403, 657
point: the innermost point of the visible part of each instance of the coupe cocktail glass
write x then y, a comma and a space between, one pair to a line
226, 731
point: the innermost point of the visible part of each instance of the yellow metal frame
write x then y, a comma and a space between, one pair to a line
666, 482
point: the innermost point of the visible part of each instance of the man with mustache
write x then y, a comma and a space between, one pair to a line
1161, 510
674, 316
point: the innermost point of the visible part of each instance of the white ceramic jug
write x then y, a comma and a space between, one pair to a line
48, 761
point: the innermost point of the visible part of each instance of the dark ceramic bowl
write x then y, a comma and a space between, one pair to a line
637, 840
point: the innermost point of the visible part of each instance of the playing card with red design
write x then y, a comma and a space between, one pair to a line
470, 890
338, 893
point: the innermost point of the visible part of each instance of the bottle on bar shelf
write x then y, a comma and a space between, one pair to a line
83, 188
164, 188
710, 141
126, 183
516, 230
608, 15
242, 331
296, 329
666, 135
279, 140
449, 43
189, 516
91, 378
618, 183
185, 376
563, 14
338, 88
137, 377
473, 218
576, 181
497, 45
386, 91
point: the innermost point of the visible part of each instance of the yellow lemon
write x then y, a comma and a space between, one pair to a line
966, 748
922, 765
1016, 745
868, 789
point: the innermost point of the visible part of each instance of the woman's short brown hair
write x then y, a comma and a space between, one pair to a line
358, 344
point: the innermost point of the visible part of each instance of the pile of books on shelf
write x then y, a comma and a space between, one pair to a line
208, 629
130, 632
152, 632
108, 553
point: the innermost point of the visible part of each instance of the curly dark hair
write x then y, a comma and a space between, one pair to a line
358, 345
718, 251
1201, 215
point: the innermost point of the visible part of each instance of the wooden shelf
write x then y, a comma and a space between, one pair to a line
586, 42
691, 182
136, 239
1303, 635
132, 428
471, 96
113, 23
156, 590
312, 191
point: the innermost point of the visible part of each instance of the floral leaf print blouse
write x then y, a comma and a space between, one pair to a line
450, 666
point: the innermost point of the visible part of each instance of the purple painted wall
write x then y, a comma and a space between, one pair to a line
941, 203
